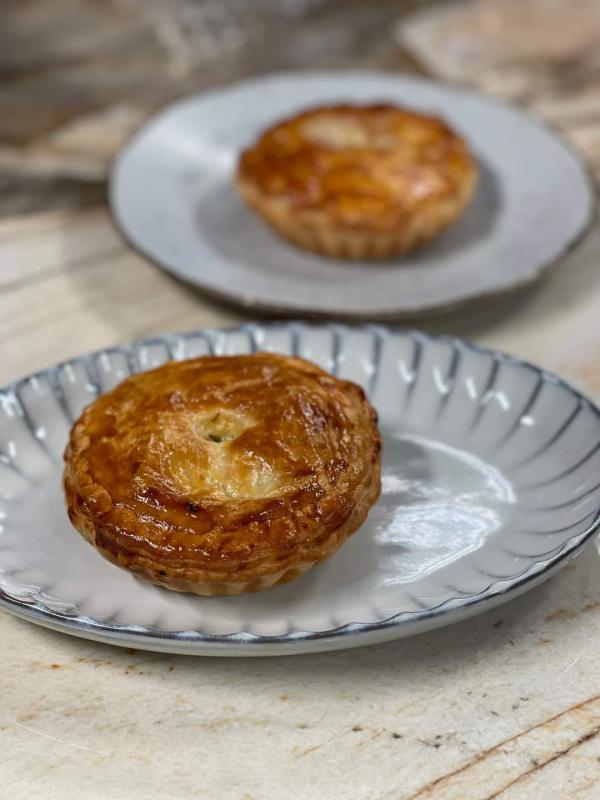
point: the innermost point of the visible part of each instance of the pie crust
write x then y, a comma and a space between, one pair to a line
223, 474
358, 182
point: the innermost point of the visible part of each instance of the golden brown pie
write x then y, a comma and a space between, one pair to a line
358, 181
223, 475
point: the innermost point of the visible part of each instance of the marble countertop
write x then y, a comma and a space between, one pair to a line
505, 705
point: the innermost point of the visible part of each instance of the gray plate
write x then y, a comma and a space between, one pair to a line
172, 195
490, 484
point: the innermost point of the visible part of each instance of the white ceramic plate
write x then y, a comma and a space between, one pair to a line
490, 483
172, 195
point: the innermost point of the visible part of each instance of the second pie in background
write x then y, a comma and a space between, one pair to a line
358, 181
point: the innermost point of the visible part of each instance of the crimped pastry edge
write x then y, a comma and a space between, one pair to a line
312, 230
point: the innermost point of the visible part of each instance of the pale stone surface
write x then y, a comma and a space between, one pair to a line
504, 705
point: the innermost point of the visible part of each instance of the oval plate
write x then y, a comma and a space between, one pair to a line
173, 197
490, 484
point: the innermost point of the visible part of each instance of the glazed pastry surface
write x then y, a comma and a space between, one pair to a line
221, 475
358, 181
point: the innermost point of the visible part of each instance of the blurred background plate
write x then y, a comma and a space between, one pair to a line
173, 197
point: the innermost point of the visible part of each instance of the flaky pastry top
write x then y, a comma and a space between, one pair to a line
359, 164
222, 463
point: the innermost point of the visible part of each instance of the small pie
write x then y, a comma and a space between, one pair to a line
223, 474
358, 182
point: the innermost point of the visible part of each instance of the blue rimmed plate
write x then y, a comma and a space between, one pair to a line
491, 482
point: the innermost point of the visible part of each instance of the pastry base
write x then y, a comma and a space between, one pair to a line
312, 231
